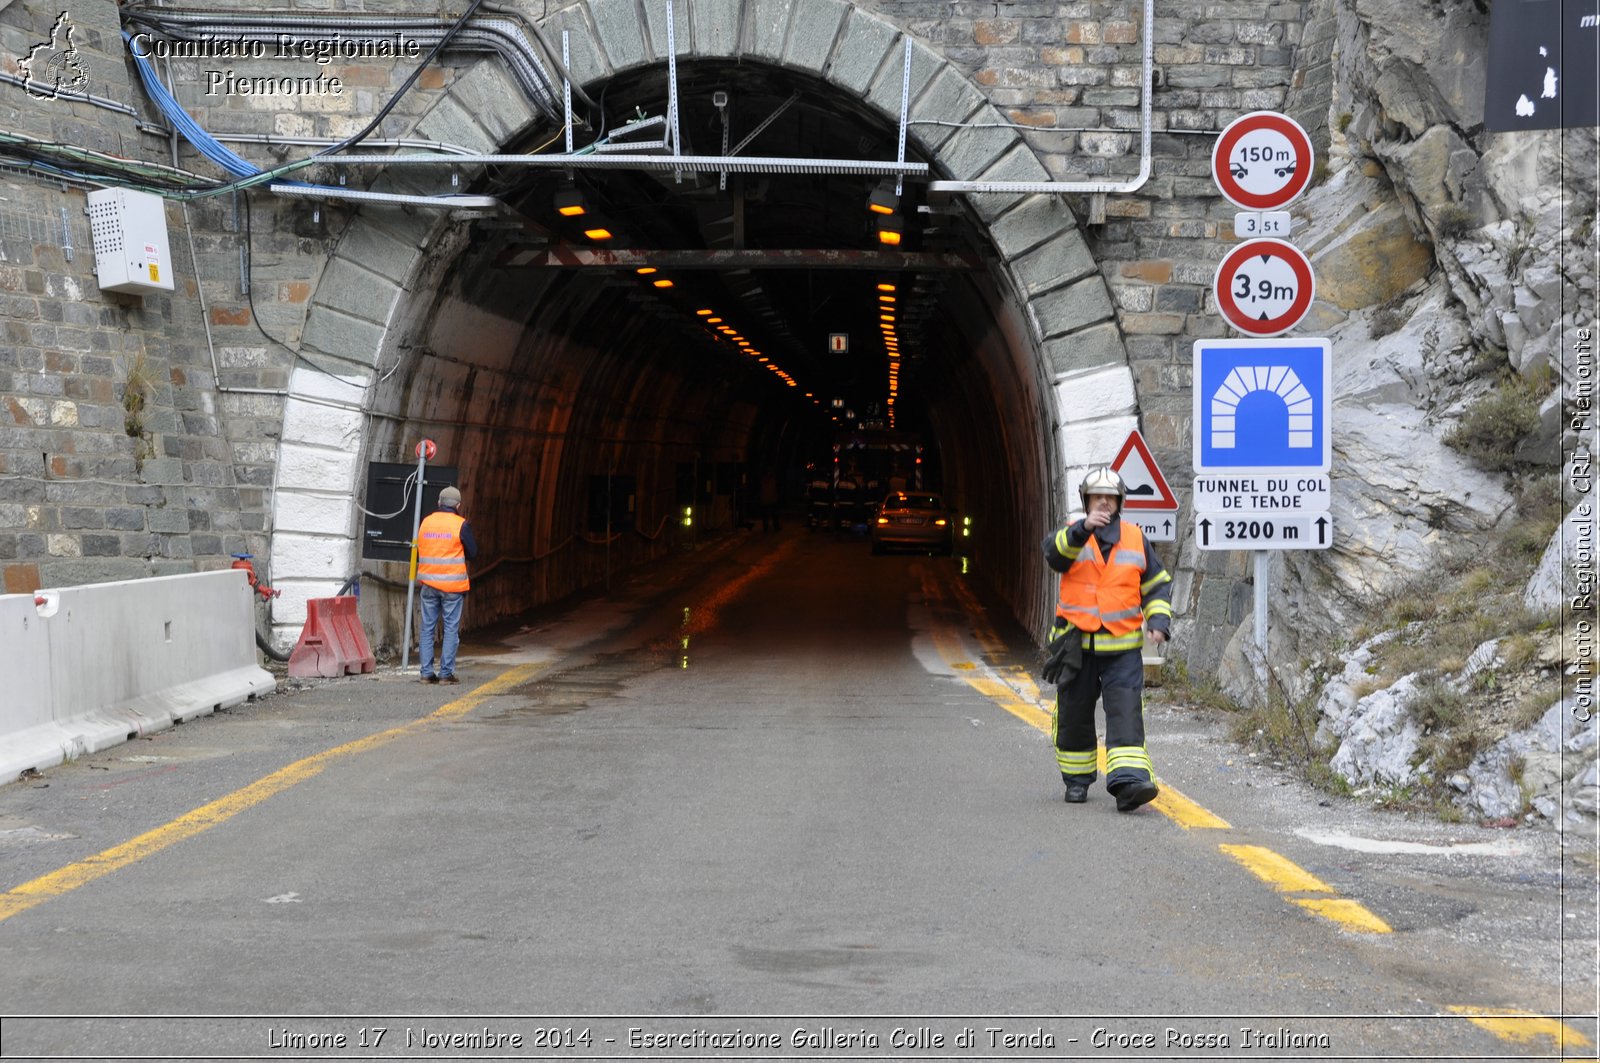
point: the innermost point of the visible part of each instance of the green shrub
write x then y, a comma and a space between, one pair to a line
1453, 221
1496, 424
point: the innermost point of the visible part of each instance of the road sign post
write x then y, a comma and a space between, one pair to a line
1261, 162
1263, 446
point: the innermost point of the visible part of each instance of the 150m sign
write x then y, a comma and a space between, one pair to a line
1263, 531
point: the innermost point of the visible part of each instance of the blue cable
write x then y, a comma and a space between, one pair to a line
173, 111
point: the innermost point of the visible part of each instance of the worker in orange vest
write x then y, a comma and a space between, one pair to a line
1112, 586
444, 546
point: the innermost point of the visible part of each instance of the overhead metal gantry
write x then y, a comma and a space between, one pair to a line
566, 256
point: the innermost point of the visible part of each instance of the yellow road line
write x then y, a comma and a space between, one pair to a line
1524, 1027
66, 879
1269, 867
1286, 876
1352, 915
1171, 803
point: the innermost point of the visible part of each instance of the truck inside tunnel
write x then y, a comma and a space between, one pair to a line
611, 385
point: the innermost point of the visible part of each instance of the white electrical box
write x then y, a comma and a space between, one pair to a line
130, 241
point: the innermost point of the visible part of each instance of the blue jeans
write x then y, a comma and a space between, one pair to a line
435, 602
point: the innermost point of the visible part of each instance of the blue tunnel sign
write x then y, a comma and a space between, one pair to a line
1263, 405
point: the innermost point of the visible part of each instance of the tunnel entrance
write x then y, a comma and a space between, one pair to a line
613, 385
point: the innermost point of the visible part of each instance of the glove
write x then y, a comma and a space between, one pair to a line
1063, 657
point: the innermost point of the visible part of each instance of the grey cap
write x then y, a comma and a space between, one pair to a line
450, 498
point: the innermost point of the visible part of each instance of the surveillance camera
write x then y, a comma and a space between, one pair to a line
719, 99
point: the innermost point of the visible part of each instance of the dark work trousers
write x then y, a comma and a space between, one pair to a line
1116, 679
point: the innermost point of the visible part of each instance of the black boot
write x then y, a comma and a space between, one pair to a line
1131, 795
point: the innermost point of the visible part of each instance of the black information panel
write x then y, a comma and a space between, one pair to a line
612, 502
1544, 65
387, 536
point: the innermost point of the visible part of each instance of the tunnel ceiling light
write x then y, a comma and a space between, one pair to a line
886, 298
599, 232
662, 283
569, 203
707, 313
714, 320
645, 271
886, 287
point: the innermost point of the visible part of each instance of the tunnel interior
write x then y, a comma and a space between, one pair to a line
589, 403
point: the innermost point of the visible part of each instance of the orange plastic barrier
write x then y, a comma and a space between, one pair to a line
333, 642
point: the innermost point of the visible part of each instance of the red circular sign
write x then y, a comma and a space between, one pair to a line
1262, 160
426, 450
1264, 287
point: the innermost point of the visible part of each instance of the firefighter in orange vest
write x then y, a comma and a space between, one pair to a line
444, 546
1112, 586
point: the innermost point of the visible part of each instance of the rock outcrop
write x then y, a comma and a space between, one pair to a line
1446, 256
1441, 252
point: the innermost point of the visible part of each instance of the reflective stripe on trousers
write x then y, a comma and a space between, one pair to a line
1116, 680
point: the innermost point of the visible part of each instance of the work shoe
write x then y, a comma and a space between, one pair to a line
1131, 795
1077, 793
452, 681
428, 679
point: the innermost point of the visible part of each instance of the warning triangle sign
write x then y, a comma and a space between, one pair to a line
1147, 488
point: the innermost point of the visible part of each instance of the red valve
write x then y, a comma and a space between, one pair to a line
242, 562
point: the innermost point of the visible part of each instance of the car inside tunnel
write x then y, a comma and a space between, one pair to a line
612, 385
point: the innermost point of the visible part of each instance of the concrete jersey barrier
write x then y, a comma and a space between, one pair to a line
103, 663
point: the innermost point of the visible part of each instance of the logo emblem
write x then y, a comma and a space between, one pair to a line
53, 69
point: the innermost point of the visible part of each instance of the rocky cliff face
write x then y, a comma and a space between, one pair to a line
1447, 258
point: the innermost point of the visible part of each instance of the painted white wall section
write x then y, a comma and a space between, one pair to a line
110, 661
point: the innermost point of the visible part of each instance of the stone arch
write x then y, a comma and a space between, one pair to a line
1076, 342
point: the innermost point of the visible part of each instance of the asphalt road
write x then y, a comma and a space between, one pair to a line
775, 798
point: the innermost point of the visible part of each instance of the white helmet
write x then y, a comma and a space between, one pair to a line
1102, 480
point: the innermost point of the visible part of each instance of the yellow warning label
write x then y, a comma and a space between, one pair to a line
155, 273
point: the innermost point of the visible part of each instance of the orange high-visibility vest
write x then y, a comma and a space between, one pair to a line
441, 559
1103, 595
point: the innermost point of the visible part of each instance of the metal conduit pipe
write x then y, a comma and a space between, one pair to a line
498, 35
1029, 187
697, 163
394, 199
277, 140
